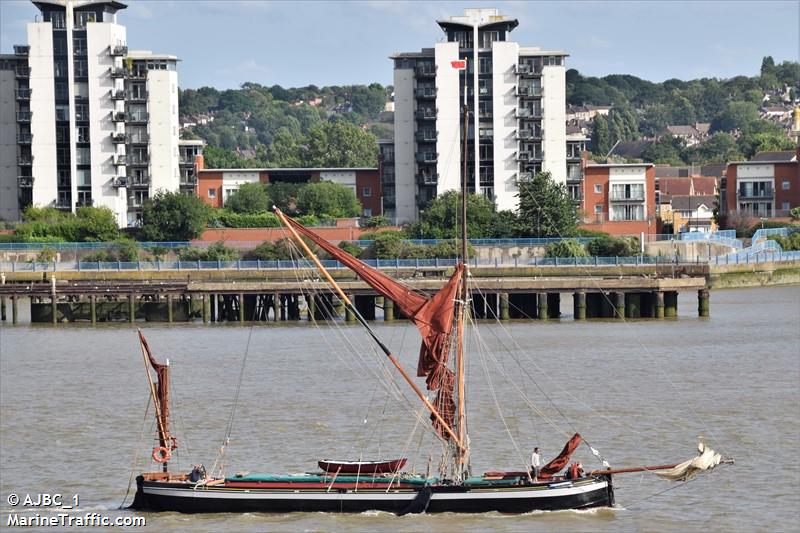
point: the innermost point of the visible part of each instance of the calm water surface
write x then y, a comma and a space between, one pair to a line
72, 400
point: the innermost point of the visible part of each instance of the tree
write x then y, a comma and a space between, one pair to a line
248, 199
720, 148
768, 141
286, 150
441, 218
601, 136
172, 216
339, 144
284, 195
326, 198
737, 116
545, 207
667, 149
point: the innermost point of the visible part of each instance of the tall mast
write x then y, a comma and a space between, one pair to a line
449, 430
462, 309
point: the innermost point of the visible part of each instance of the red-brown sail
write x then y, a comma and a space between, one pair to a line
432, 316
162, 393
558, 464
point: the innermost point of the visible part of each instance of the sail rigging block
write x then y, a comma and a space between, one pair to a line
706, 460
433, 317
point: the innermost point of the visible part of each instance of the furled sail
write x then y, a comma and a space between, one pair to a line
161, 390
686, 470
433, 317
556, 465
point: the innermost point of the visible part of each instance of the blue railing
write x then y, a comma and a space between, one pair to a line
63, 246
769, 253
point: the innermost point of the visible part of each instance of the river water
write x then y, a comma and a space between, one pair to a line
72, 400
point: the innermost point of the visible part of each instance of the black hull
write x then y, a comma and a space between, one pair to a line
157, 496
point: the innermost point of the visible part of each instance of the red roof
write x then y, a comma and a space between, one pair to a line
704, 185
675, 186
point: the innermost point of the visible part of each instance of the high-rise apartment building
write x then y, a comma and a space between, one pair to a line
96, 124
517, 126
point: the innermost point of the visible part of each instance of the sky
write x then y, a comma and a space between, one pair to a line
224, 43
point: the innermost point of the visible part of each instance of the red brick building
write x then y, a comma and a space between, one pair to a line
214, 186
619, 199
767, 186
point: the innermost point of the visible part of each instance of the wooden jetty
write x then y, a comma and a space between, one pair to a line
276, 296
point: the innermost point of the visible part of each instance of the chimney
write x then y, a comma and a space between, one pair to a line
199, 163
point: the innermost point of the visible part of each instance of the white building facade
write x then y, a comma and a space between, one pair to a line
102, 125
516, 124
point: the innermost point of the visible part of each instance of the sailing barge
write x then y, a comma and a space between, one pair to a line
382, 485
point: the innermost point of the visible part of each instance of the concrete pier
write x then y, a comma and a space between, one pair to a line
541, 307
131, 308
579, 305
619, 305
670, 304
504, 306
703, 303
388, 310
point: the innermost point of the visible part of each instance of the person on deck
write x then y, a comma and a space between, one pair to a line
536, 463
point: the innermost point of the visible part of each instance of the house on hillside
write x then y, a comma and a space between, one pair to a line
688, 214
691, 135
630, 150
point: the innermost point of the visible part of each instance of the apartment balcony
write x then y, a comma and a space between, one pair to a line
389, 157
423, 136
118, 138
119, 182
756, 194
22, 72
427, 178
24, 138
21, 50
23, 94
24, 160
84, 203
24, 116
529, 156
425, 92
140, 96
427, 157
141, 138
120, 160
525, 91
119, 116
425, 114
526, 71
188, 181
138, 117
116, 72
485, 115
523, 113
629, 197
118, 95
136, 74
139, 161
119, 50
138, 181
426, 72
25, 181
528, 135
525, 176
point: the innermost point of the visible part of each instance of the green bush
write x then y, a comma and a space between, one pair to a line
352, 249
378, 221
103, 256
789, 243
249, 198
216, 252
229, 219
566, 248
88, 224
47, 255
266, 251
609, 246
795, 213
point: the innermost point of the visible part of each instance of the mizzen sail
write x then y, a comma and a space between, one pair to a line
433, 317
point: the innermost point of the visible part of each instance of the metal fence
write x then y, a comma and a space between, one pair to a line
74, 246
765, 255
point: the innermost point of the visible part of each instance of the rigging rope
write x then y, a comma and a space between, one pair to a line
136, 455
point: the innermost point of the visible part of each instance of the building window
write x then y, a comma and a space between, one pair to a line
79, 45
62, 132
367, 212
488, 37
366, 192
81, 68
64, 198
60, 68
484, 65
82, 133
786, 185
82, 18
598, 188
81, 112
786, 206
59, 20
598, 208
84, 198
82, 156
627, 212
212, 193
